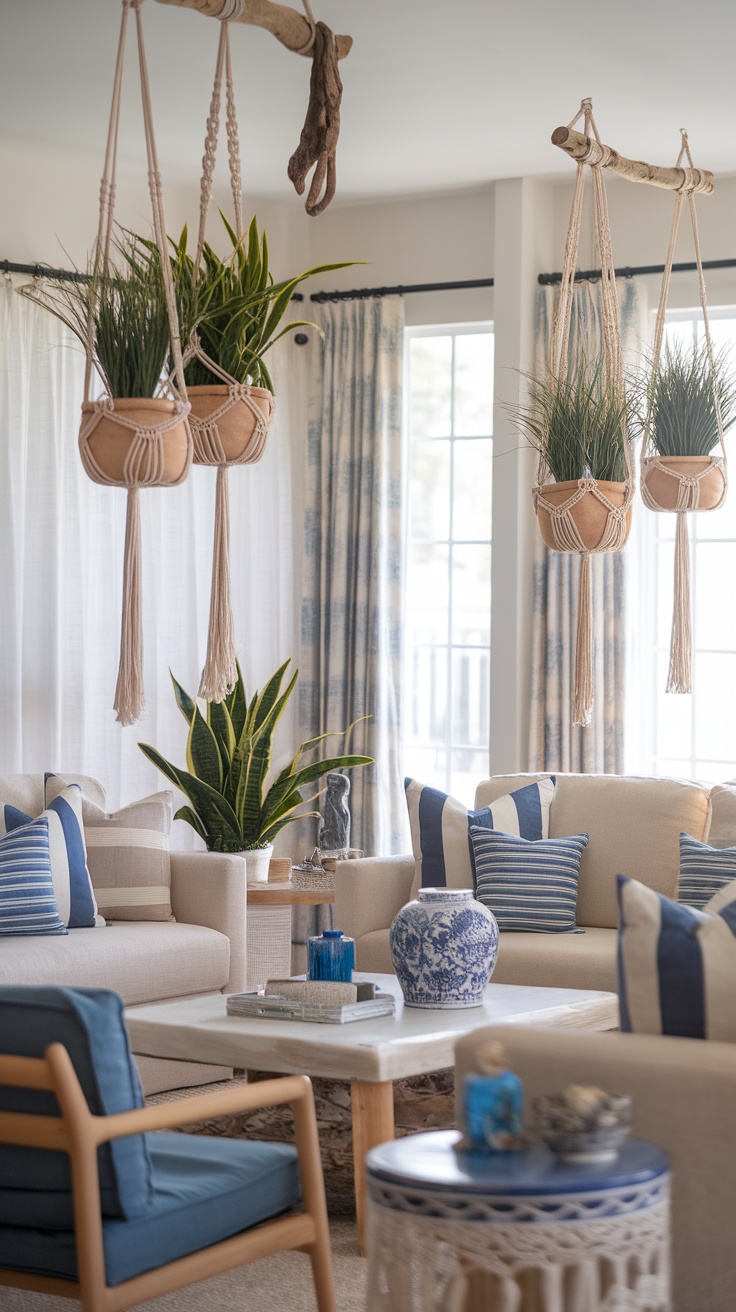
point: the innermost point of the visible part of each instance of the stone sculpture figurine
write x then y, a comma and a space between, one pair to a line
335, 829
494, 1103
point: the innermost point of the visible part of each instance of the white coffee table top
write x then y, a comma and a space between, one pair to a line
386, 1048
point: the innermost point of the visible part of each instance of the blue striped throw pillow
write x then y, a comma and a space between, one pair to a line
440, 828
676, 964
27, 901
703, 871
72, 884
529, 886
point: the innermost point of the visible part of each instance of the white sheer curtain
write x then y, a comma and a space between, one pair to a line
61, 542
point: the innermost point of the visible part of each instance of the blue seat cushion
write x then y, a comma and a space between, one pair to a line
205, 1189
34, 1182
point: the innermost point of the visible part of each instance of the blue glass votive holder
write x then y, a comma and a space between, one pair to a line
331, 956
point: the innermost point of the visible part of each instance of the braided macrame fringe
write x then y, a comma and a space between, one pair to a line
129, 699
582, 693
220, 674
680, 676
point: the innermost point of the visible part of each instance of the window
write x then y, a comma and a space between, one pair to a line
449, 432
694, 735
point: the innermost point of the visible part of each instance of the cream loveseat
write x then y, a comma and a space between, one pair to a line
682, 1093
151, 961
634, 826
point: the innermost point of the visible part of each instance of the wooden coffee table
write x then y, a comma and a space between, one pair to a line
370, 1053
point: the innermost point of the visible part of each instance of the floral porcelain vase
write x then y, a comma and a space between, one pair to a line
444, 947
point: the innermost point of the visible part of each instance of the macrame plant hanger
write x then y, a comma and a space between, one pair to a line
681, 484
157, 452
583, 518
229, 420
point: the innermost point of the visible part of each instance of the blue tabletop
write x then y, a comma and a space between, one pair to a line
432, 1161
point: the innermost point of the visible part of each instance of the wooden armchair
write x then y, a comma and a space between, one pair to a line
234, 1212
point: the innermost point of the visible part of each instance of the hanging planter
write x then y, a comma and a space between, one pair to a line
124, 312
686, 403
590, 504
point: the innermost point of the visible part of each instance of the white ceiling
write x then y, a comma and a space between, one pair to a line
438, 94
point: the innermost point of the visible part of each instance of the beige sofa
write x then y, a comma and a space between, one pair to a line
204, 952
634, 826
682, 1094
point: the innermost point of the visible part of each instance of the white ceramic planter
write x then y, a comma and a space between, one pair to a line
256, 863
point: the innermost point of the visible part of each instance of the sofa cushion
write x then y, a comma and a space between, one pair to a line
72, 886
27, 897
528, 886
722, 831
89, 1024
26, 791
440, 829
204, 1189
566, 961
128, 855
704, 870
676, 964
143, 963
634, 826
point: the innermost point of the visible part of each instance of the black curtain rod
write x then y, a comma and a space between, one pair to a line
42, 271
593, 275
366, 293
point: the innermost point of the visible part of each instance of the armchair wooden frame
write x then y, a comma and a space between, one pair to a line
79, 1133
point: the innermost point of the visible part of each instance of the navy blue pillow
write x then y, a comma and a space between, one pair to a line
89, 1023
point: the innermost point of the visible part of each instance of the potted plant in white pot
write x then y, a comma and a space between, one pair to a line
233, 806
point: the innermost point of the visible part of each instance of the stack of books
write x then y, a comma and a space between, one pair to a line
325, 1002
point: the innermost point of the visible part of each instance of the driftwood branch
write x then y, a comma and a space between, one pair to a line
587, 150
287, 25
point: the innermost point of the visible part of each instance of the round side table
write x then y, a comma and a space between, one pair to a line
455, 1231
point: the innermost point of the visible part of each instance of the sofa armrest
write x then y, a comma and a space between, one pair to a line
209, 888
682, 1093
369, 892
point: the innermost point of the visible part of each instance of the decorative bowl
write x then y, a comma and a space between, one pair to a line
583, 1124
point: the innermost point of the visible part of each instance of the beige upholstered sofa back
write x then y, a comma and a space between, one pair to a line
634, 826
26, 791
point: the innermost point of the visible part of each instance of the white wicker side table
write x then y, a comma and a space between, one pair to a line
450, 1231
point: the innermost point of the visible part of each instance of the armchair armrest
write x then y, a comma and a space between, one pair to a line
209, 888
369, 892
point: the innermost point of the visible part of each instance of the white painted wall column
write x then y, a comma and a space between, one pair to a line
523, 248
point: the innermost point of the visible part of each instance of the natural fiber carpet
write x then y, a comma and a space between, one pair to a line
283, 1283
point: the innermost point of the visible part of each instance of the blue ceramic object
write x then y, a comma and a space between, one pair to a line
444, 948
494, 1105
331, 956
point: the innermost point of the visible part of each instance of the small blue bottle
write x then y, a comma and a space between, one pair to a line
331, 956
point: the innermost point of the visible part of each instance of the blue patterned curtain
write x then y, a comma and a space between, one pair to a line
554, 742
353, 529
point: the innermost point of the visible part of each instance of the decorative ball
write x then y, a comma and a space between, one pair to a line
444, 947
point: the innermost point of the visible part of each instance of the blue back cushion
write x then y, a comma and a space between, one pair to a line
89, 1024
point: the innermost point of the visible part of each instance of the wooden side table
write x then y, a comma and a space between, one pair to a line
523, 1231
269, 927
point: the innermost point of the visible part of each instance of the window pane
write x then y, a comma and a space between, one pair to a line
471, 672
430, 490
471, 591
674, 716
468, 768
427, 593
715, 772
677, 768
714, 729
430, 388
473, 384
426, 686
665, 591
473, 473
715, 623
719, 523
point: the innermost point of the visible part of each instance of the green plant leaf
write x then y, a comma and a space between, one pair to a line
218, 718
191, 818
186, 704
203, 754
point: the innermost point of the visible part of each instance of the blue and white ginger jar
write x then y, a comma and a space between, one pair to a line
444, 948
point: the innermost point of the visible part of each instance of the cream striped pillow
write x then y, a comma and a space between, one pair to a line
127, 855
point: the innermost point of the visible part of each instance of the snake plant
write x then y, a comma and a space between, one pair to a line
228, 753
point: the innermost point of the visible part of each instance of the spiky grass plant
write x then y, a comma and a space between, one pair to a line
235, 305
579, 424
679, 399
124, 296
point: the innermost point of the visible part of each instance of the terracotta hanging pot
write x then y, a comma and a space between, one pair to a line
161, 459
589, 514
661, 490
230, 423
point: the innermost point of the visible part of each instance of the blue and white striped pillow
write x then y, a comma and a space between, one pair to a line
704, 871
676, 964
27, 901
440, 828
529, 886
75, 898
